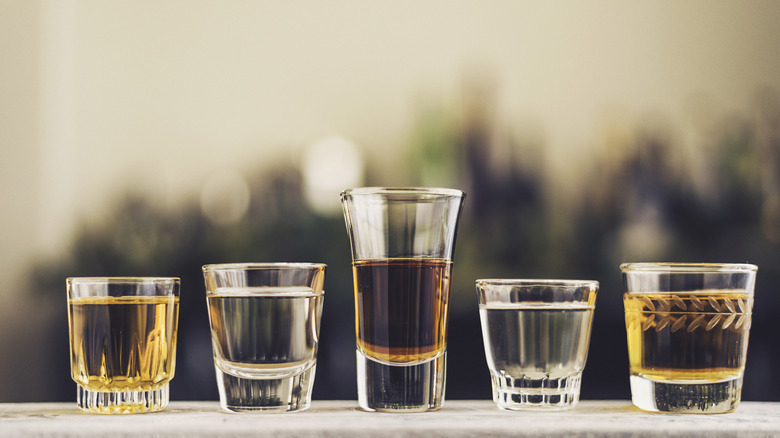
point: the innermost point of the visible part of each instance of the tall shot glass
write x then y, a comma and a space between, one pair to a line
402, 241
536, 335
265, 325
687, 326
122, 342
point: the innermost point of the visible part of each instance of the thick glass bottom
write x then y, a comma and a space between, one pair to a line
122, 402
417, 387
687, 398
536, 394
266, 395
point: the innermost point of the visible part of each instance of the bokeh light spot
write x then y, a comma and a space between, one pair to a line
329, 166
224, 198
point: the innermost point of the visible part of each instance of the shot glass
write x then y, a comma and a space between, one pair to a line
122, 342
536, 335
265, 325
687, 326
402, 241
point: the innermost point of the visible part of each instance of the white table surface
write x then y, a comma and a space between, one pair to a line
458, 418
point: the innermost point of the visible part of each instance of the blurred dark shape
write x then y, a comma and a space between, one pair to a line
647, 196
143, 240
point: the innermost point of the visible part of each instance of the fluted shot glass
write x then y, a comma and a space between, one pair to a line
265, 326
536, 335
687, 326
122, 342
402, 241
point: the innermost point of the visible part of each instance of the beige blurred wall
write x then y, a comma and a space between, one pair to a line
97, 97
20, 139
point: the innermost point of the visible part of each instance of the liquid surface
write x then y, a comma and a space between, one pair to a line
536, 341
401, 308
264, 331
123, 344
688, 336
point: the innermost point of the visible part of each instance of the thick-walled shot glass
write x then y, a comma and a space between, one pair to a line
265, 325
402, 241
536, 335
122, 342
687, 327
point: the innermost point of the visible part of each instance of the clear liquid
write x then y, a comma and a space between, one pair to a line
264, 332
536, 341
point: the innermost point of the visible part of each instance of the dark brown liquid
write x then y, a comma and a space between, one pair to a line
401, 308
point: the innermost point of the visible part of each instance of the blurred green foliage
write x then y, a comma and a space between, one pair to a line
648, 196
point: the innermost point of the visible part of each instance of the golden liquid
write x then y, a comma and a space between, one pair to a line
692, 337
401, 308
123, 344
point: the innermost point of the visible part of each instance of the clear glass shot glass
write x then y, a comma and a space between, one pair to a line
687, 326
265, 325
402, 241
122, 342
536, 335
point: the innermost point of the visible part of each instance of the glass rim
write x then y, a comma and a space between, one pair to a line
126, 280
536, 282
420, 191
688, 267
249, 266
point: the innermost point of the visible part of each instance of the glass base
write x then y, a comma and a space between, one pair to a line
417, 387
122, 402
265, 394
688, 398
535, 394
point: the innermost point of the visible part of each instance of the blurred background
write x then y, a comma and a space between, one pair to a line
152, 137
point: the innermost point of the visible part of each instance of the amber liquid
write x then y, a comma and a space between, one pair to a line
123, 343
692, 337
401, 308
